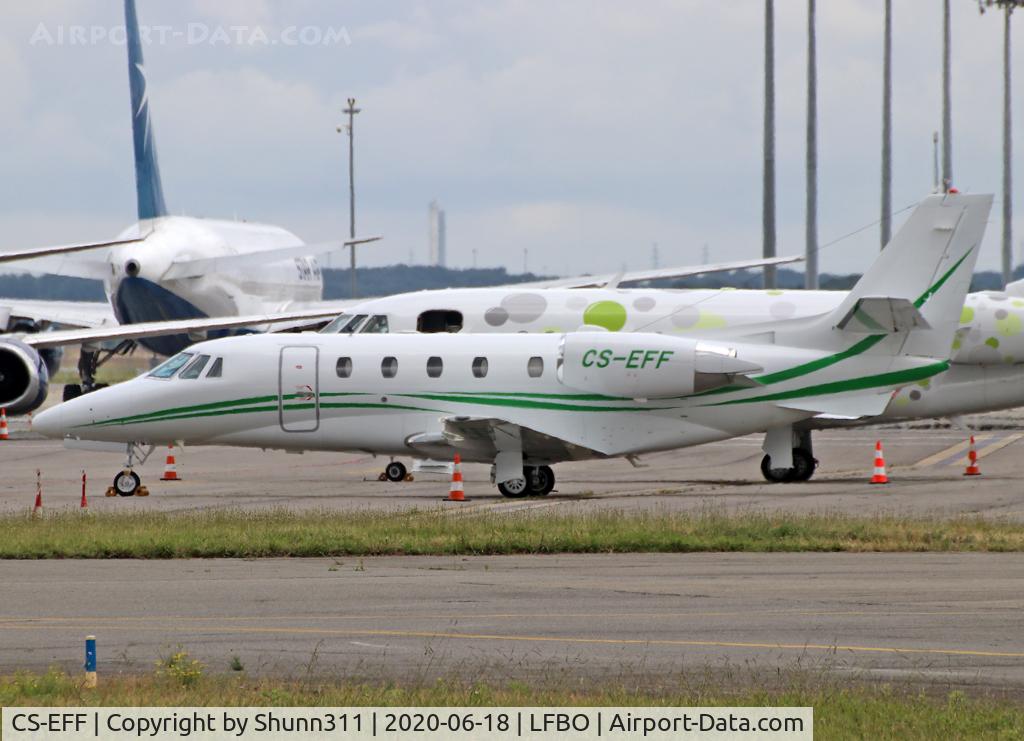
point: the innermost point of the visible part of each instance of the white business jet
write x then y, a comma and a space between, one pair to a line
525, 402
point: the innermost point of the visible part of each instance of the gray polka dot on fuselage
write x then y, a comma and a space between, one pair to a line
524, 307
644, 303
496, 316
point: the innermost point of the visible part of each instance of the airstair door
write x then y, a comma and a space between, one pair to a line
299, 389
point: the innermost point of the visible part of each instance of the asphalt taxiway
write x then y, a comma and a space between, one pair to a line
925, 467
953, 619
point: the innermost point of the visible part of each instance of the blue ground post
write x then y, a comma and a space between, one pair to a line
90, 662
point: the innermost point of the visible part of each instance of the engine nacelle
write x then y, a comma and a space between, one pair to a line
642, 365
24, 378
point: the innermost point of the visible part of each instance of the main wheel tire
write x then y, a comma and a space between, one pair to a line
514, 488
541, 479
395, 471
775, 475
72, 391
126, 483
804, 465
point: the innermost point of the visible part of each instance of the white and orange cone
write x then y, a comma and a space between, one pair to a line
4, 433
170, 466
456, 493
879, 476
37, 508
972, 461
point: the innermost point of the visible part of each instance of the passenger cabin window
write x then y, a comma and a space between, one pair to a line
378, 324
343, 367
480, 367
439, 320
389, 367
217, 369
193, 369
169, 367
535, 367
435, 366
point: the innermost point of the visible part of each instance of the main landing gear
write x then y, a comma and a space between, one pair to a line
127, 483
804, 463
89, 362
395, 471
537, 481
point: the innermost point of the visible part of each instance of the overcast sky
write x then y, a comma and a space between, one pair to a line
585, 130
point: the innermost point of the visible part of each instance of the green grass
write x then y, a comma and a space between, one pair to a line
284, 533
840, 712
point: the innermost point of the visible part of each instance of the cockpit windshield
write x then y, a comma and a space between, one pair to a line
168, 368
344, 324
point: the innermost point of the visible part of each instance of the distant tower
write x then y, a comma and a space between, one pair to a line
436, 234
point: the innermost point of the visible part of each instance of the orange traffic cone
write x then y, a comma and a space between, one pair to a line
85, 502
879, 476
455, 493
972, 461
3, 425
170, 467
37, 509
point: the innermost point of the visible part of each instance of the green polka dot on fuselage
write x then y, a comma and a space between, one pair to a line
608, 314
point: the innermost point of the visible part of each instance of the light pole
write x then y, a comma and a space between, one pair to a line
811, 274
886, 231
1007, 6
947, 117
768, 185
351, 111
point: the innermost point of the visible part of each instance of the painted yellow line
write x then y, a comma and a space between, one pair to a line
105, 619
993, 447
960, 447
830, 648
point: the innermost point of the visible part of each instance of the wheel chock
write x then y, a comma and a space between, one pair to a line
409, 477
111, 492
142, 491
383, 477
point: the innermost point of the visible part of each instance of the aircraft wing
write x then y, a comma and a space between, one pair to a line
613, 280
68, 313
183, 326
36, 252
483, 437
203, 266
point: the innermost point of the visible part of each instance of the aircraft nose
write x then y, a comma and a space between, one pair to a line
50, 423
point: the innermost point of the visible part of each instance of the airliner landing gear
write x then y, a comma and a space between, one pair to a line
804, 463
537, 481
395, 471
89, 362
127, 483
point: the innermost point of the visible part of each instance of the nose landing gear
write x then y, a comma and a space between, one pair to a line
395, 471
127, 483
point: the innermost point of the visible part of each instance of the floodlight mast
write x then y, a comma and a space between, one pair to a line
1007, 261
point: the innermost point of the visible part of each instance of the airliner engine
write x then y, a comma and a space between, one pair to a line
647, 366
24, 378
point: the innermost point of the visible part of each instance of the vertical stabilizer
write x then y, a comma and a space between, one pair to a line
148, 189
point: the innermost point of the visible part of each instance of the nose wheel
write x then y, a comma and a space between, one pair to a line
127, 483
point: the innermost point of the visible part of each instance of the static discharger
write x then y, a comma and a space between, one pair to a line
170, 467
455, 493
972, 461
879, 476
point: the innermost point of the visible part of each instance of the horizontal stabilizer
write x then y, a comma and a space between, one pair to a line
36, 252
204, 266
841, 406
882, 315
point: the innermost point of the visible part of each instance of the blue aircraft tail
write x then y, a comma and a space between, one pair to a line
148, 189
